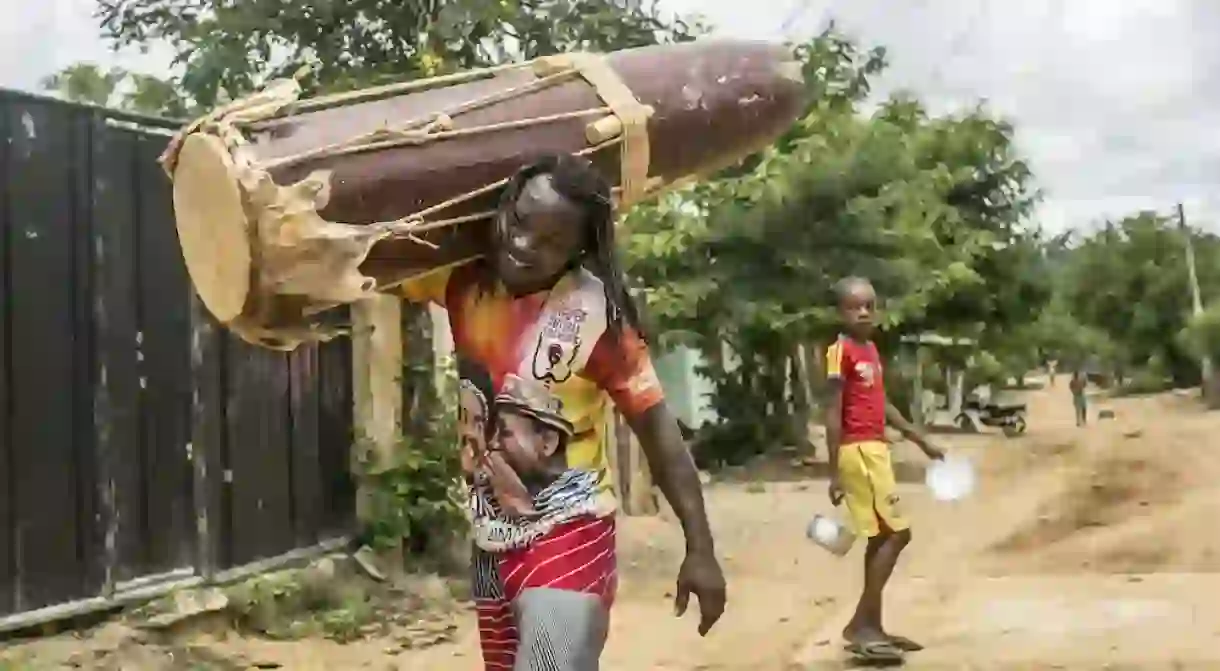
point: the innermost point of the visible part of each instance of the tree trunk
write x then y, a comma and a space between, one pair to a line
779, 409
805, 402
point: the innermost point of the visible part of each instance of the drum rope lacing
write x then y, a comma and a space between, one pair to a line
553, 70
627, 129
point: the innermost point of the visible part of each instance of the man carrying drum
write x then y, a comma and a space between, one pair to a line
545, 328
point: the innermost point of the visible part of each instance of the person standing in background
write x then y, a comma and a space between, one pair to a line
1077, 386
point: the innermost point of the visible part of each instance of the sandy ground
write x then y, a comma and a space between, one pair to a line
1082, 549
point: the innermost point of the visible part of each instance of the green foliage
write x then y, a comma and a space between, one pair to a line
1126, 287
227, 49
86, 83
1201, 336
420, 497
289, 605
932, 209
115, 87
334, 600
986, 368
1149, 379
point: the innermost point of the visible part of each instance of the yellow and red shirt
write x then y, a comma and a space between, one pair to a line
558, 339
858, 365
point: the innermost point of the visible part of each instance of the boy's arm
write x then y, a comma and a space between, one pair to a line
834, 433
910, 431
834, 416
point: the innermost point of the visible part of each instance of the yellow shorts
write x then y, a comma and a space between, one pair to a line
869, 489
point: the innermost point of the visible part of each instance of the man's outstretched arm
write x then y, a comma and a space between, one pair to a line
621, 366
673, 470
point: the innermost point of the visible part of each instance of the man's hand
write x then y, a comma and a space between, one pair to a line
701, 575
835, 491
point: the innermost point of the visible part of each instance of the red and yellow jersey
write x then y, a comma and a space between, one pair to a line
858, 365
558, 339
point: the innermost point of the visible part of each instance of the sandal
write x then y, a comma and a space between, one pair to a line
904, 644
875, 651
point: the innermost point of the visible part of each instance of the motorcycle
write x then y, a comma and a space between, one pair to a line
1010, 417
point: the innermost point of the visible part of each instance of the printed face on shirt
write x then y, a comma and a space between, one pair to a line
472, 423
858, 309
537, 237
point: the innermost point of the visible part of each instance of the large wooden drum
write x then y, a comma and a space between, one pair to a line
286, 208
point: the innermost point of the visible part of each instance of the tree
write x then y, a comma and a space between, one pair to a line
1128, 281
119, 88
931, 209
230, 49
86, 83
1202, 333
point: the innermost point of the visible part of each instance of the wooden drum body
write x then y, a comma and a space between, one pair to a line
286, 208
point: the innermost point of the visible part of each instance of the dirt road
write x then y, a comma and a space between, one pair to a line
1081, 549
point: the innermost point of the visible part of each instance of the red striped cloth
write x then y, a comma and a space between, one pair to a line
577, 556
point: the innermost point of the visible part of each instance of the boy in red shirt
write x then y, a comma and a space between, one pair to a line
862, 475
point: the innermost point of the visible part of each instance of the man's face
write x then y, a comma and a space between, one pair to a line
537, 237
858, 309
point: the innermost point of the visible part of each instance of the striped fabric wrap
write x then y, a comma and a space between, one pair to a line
575, 493
546, 607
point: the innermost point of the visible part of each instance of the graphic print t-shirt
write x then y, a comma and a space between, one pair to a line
858, 365
556, 340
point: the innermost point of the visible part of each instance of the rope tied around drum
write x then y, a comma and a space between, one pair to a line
621, 121
630, 131
439, 126
265, 109
413, 224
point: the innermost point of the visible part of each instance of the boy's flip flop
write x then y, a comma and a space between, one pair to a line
875, 651
905, 644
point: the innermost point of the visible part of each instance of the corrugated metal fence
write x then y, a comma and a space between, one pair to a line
140, 446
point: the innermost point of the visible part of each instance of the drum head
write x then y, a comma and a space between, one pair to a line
212, 225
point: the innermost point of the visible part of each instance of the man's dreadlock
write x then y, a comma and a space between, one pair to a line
576, 179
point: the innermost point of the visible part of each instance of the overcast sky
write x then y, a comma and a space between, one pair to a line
1114, 100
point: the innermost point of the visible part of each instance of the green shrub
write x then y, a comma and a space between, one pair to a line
421, 497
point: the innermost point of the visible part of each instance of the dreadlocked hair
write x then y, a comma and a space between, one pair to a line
576, 179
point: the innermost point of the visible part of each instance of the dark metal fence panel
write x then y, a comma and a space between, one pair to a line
305, 460
138, 441
335, 435
6, 446
165, 340
259, 452
274, 431
46, 343
208, 444
117, 368
142, 309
